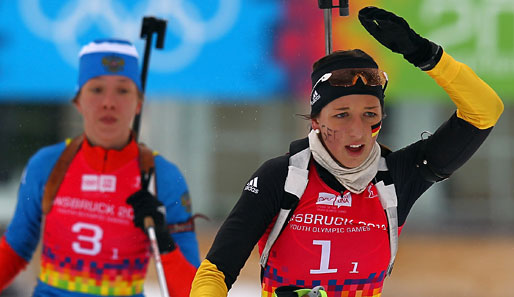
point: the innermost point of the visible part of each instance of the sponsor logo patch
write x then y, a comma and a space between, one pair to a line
315, 97
345, 200
332, 199
98, 183
326, 198
251, 186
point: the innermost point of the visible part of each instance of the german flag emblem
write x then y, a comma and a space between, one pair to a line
375, 129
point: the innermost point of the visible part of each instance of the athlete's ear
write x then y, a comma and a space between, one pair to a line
76, 103
139, 106
315, 124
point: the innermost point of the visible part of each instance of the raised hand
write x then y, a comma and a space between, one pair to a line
395, 33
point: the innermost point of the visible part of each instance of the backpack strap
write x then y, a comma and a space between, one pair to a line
389, 201
59, 171
296, 183
146, 155
147, 166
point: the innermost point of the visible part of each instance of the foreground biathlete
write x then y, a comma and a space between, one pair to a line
88, 197
340, 198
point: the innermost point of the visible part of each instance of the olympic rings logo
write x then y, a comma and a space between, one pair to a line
74, 18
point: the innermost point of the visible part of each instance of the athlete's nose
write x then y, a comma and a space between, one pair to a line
108, 100
355, 129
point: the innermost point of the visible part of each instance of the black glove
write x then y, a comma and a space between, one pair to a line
146, 205
394, 33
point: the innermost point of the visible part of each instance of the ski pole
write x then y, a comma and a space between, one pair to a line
327, 6
149, 226
150, 26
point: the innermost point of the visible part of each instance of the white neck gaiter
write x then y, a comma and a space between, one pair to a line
354, 179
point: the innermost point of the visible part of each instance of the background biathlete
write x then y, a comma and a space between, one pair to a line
93, 237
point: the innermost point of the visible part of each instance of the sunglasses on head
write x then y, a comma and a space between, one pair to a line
348, 77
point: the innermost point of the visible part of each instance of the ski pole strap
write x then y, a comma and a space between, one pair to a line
293, 291
187, 226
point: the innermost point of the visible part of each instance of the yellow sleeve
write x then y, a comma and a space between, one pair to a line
209, 281
477, 103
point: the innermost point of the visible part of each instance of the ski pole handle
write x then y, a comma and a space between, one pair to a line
150, 228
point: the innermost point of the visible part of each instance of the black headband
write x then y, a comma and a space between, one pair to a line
324, 93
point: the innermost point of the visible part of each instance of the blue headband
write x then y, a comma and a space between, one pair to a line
108, 57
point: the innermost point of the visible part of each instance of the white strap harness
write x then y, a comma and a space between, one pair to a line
296, 183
